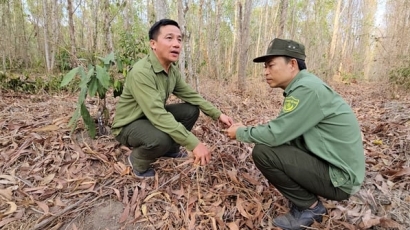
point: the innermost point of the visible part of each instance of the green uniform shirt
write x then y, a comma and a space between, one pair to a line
316, 119
146, 90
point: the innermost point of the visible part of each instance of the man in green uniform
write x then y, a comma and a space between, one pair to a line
314, 147
144, 122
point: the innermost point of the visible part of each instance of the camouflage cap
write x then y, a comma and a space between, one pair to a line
282, 47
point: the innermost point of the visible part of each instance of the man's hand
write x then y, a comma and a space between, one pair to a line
231, 131
202, 155
228, 121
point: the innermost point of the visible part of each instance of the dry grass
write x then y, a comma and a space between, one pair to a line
50, 180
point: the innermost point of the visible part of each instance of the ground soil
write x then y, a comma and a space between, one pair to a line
52, 179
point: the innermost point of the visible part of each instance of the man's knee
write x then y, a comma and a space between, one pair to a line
258, 153
263, 156
192, 110
159, 142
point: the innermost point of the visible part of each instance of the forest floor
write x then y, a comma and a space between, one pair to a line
50, 179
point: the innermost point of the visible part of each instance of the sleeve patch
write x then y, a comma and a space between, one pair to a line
290, 104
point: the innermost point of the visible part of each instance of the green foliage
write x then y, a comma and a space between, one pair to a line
350, 76
19, 84
63, 60
401, 77
132, 46
32, 84
94, 81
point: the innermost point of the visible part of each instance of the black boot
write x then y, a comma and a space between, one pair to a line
297, 219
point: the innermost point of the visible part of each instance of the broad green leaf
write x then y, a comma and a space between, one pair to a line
82, 73
74, 119
101, 91
119, 65
101, 59
92, 86
82, 96
103, 77
109, 58
118, 87
69, 76
86, 78
117, 84
88, 121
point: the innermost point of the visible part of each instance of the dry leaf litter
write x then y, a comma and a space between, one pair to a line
50, 180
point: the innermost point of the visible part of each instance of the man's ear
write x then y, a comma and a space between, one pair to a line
294, 63
153, 44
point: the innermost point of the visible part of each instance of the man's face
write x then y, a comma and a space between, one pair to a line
278, 72
168, 44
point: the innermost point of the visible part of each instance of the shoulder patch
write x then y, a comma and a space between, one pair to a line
290, 104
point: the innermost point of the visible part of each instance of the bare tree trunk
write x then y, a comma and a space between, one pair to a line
182, 10
151, 11
73, 53
82, 32
346, 38
291, 31
239, 31
258, 51
198, 61
233, 59
161, 9
45, 31
55, 33
214, 54
95, 35
108, 44
283, 16
12, 41
334, 38
244, 41
369, 45
23, 52
3, 39
129, 15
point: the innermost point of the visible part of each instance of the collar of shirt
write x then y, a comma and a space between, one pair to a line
156, 65
296, 79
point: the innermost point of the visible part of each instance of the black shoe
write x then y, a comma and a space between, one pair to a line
297, 219
176, 155
147, 174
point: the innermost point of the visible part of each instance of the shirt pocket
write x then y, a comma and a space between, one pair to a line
338, 177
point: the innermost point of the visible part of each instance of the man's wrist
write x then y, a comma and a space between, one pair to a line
240, 133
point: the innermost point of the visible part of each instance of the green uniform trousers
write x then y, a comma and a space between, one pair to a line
149, 143
300, 176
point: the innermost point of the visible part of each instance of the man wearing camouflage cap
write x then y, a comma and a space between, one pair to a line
314, 147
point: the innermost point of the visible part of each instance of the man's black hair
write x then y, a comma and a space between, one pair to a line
153, 32
301, 63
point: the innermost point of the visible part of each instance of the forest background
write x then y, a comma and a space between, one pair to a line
346, 39
51, 177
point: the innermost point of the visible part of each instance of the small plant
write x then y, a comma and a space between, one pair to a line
350, 77
131, 48
94, 81
63, 59
18, 83
400, 77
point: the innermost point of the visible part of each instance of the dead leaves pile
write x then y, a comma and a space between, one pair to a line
48, 177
